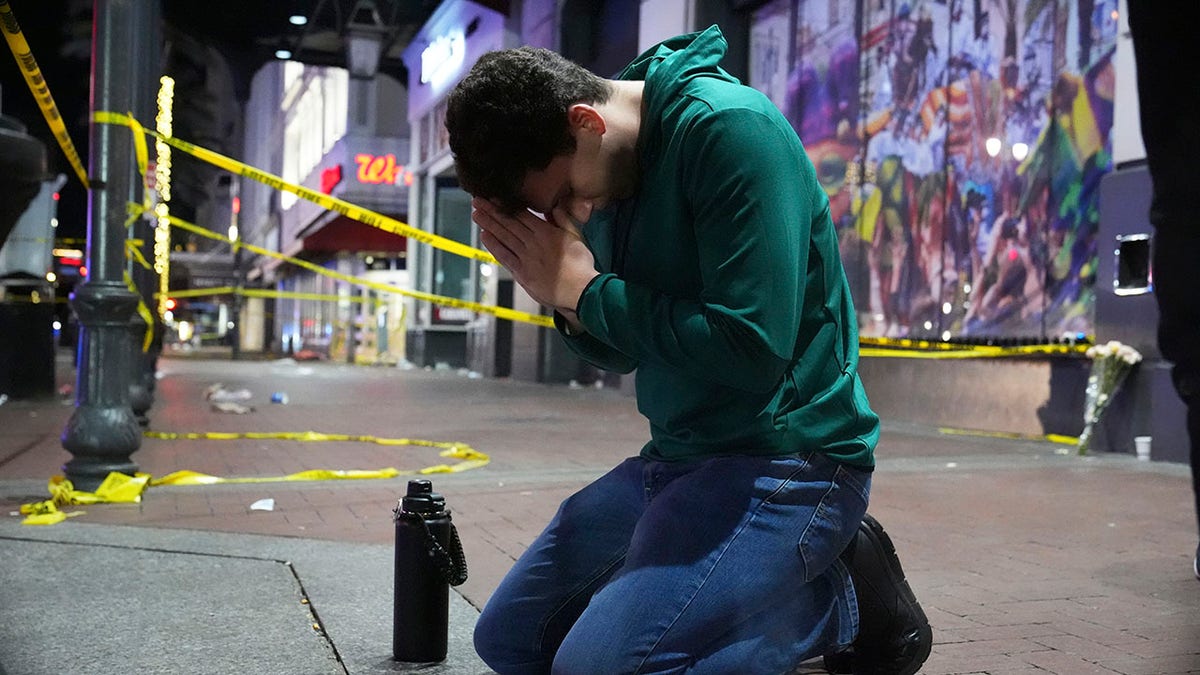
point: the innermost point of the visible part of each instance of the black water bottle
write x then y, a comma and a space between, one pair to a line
428, 561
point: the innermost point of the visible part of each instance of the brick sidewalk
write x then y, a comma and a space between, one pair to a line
1026, 561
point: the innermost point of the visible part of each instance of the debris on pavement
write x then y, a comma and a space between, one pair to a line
231, 407
267, 504
218, 392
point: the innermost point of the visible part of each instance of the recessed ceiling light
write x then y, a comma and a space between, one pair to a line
283, 54
297, 19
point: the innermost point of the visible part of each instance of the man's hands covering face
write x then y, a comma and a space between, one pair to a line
547, 258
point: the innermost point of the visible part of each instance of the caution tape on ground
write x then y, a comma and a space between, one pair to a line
41, 91
116, 488
469, 458
1052, 438
121, 488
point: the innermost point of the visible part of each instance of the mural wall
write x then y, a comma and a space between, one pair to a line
961, 143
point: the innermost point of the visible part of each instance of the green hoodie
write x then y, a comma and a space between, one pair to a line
721, 280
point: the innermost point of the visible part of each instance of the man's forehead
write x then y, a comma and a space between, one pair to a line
541, 188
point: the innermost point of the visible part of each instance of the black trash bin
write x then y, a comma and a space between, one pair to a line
26, 345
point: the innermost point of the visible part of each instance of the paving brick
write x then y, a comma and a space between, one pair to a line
940, 664
988, 647
1063, 663
1161, 665
1015, 631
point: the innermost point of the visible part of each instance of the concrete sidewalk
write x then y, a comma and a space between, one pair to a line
85, 598
1026, 560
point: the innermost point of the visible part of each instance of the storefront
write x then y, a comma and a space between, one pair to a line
347, 137
457, 34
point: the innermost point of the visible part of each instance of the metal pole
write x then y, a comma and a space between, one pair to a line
239, 268
102, 432
144, 362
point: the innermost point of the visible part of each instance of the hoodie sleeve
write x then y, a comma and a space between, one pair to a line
593, 351
747, 180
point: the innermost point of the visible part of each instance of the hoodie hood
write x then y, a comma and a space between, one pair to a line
670, 66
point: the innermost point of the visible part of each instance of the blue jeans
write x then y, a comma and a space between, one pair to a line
721, 565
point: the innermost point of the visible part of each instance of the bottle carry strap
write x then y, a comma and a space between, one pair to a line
453, 563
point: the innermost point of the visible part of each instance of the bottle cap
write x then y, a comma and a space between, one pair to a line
422, 499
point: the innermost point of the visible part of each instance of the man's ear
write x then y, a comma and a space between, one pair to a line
583, 117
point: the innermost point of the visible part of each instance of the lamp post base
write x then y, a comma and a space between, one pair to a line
103, 431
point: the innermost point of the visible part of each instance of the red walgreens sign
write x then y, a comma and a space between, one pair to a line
381, 170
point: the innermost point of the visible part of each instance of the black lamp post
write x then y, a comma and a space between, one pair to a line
102, 433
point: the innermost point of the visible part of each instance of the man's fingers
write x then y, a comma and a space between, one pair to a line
504, 230
521, 220
503, 254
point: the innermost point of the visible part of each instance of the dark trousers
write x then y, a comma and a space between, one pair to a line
1169, 96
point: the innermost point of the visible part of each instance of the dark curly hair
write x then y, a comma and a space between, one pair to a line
509, 117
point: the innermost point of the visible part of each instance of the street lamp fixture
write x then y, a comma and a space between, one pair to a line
364, 40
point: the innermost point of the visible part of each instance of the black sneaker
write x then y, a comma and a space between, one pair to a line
894, 637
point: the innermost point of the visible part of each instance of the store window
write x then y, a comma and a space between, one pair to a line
315, 107
452, 274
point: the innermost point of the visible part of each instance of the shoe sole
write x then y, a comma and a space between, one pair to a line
896, 575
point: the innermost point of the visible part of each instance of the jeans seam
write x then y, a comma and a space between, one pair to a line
541, 637
818, 513
848, 476
804, 465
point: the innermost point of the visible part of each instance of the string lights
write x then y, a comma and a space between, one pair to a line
162, 182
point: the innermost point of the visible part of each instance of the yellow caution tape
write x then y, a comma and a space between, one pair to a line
871, 352
297, 295
1062, 439
132, 247
41, 91
203, 292
323, 200
929, 349
116, 488
120, 488
1052, 438
499, 312
266, 293
45, 513
140, 152
143, 311
196, 478
469, 458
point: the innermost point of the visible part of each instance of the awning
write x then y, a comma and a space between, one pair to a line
345, 234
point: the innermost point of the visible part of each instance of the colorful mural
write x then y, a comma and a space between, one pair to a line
961, 143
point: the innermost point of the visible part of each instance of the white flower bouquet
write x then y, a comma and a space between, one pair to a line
1111, 363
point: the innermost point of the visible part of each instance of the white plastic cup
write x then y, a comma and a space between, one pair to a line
1142, 445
